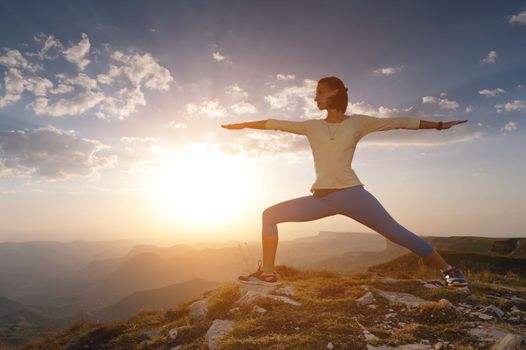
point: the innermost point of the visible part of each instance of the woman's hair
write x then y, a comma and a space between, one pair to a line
340, 100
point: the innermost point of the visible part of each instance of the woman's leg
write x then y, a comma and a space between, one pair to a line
360, 205
299, 209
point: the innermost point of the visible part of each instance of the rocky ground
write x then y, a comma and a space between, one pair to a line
321, 310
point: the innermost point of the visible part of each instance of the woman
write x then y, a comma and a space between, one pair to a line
337, 189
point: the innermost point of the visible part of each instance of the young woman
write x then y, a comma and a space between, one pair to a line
337, 189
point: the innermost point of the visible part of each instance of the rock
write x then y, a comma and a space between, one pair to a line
152, 333
288, 290
217, 331
510, 342
445, 303
515, 310
244, 288
430, 285
259, 309
234, 310
516, 298
401, 347
495, 310
398, 297
173, 332
329, 345
482, 315
198, 310
372, 306
251, 295
392, 314
178, 347
366, 299
489, 332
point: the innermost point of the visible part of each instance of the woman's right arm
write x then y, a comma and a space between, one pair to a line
260, 124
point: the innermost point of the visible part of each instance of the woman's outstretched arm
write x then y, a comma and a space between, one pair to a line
425, 124
259, 124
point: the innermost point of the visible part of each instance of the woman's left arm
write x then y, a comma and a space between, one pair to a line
425, 124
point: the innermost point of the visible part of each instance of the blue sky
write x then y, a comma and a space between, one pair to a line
110, 114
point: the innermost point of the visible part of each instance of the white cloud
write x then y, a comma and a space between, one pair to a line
236, 91
51, 153
443, 94
141, 69
131, 139
217, 56
490, 58
51, 47
517, 105
368, 109
74, 106
491, 93
469, 109
439, 102
387, 70
288, 98
285, 76
510, 126
14, 59
76, 53
243, 108
208, 108
519, 18
121, 104
175, 125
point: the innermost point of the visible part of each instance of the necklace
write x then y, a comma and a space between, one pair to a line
336, 129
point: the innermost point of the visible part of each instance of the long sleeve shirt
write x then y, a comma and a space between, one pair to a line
332, 158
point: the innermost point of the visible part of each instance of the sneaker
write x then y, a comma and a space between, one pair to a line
260, 277
454, 277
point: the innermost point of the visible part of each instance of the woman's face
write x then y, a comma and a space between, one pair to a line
323, 93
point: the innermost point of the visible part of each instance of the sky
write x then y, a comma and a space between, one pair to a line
110, 115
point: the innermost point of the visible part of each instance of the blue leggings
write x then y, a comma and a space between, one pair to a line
355, 202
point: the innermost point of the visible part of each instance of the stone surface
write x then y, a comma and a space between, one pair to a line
172, 333
251, 295
287, 290
366, 299
398, 297
510, 342
217, 331
198, 310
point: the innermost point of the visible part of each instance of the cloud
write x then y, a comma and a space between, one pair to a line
243, 108
140, 154
519, 18
235, 91
285, 76
14, 59
469, 109
121, 104
133, 71
175, 125
51, 49
208, 108
288, 98
439, 102
490, 58
491, 93
387, 70
510, 126
141, 69
76, 53
74, 106
51, 153
217, 56
514, 106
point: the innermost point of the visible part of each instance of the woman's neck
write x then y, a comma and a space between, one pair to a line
335, 116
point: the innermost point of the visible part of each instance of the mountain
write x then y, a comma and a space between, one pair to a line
320, 309
18, 323
162, 298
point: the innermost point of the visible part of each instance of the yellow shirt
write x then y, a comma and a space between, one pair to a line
332, 158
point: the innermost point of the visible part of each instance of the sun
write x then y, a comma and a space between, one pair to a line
201, 186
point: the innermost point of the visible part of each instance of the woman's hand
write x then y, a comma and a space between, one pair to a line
447, 125
236, 126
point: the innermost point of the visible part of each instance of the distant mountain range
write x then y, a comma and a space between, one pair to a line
111, 280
